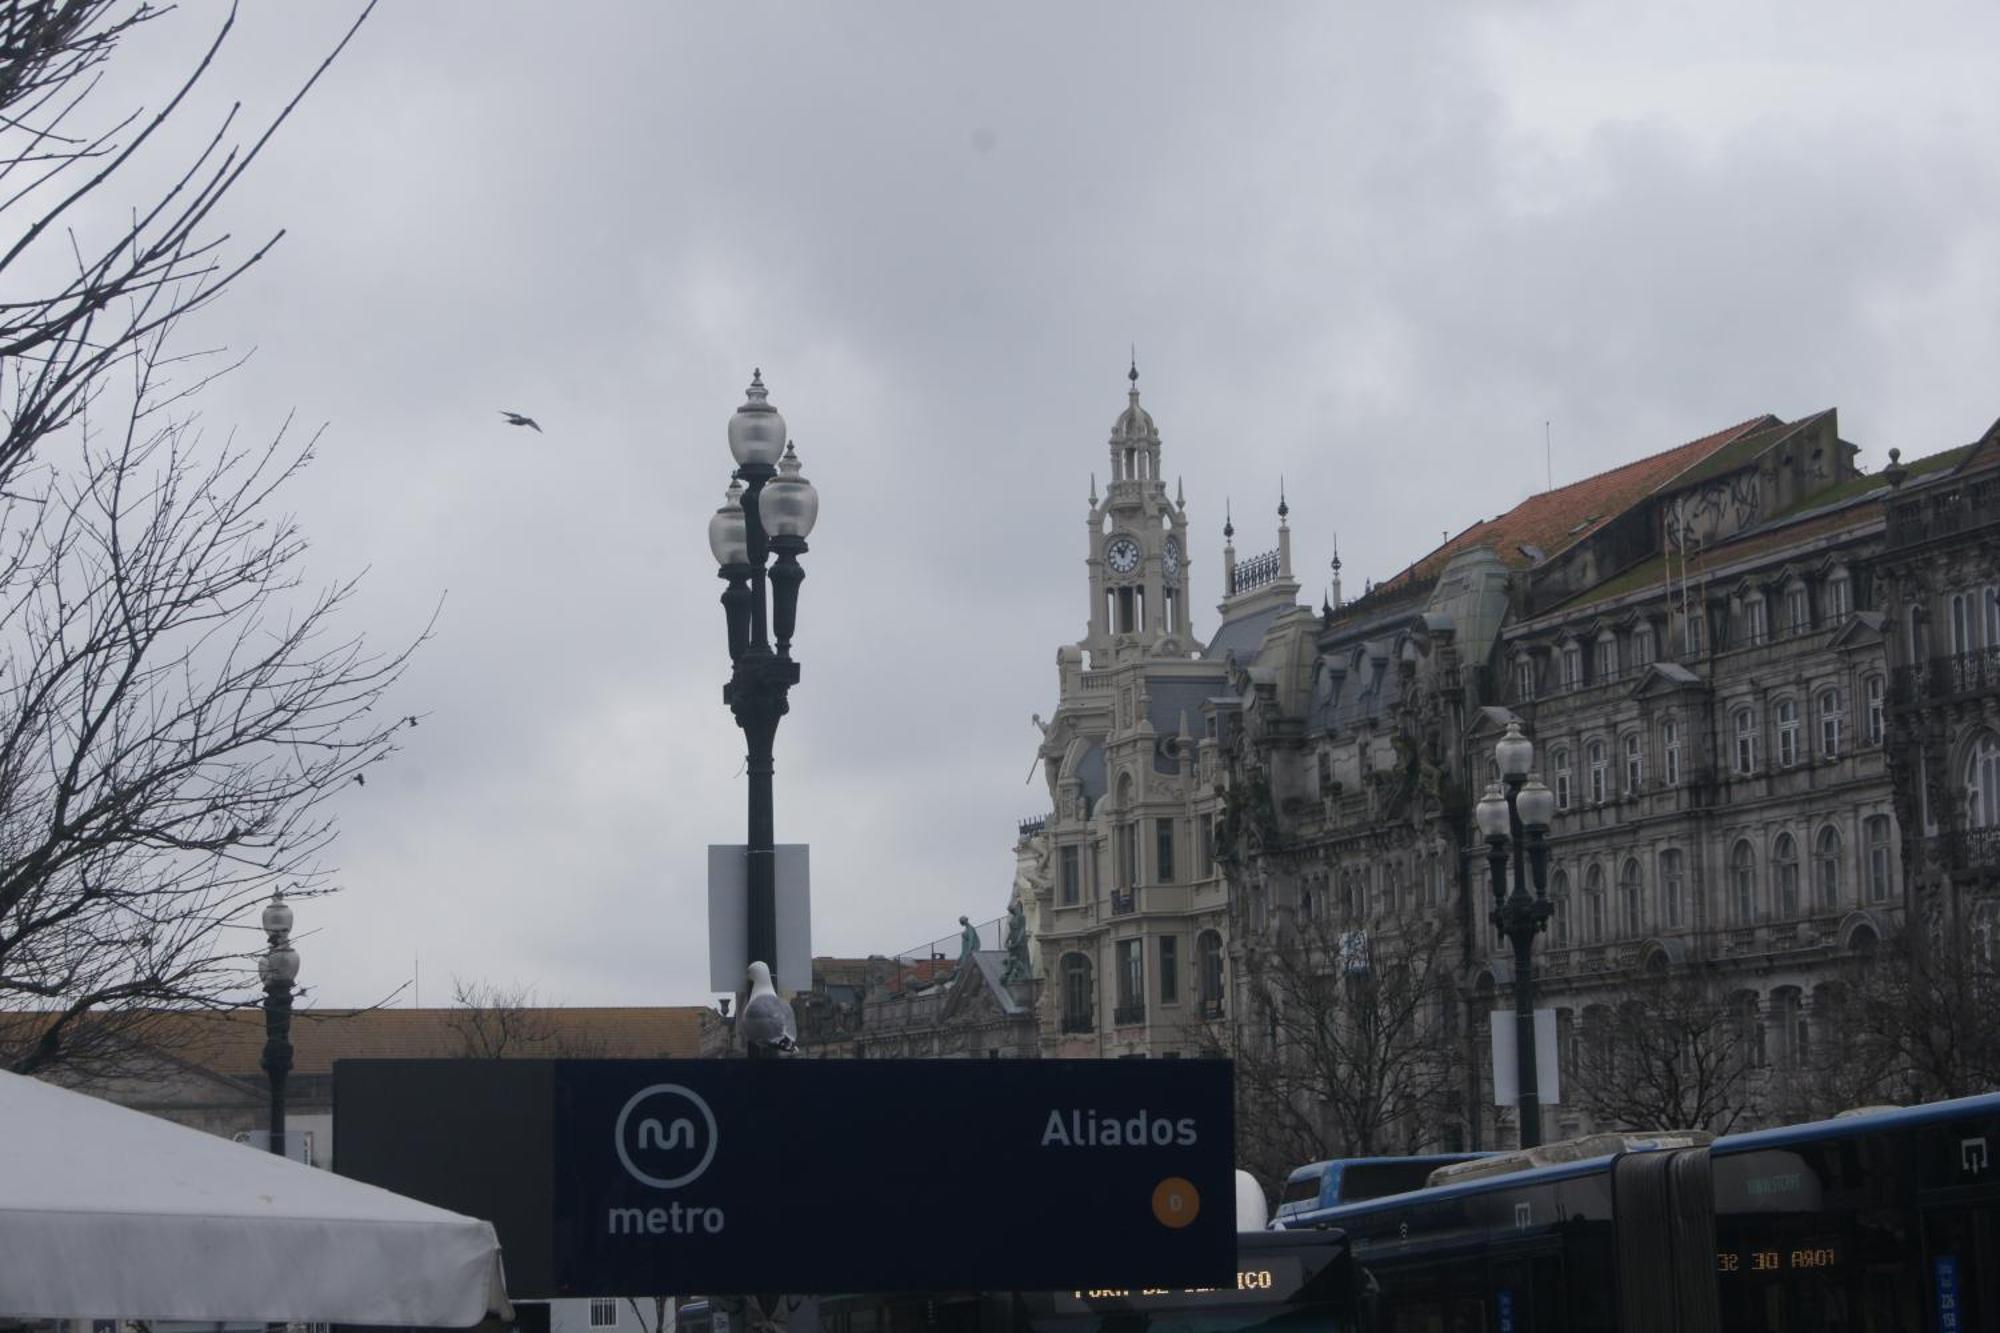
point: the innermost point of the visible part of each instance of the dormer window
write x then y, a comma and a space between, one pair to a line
1839, 597
1524, 679
1642, 645
1606, 665
1798, 609
1756, 620
1572, 672
1694, 625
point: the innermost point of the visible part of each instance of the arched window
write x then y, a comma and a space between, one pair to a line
1826, 869
1599, 768
1788, 732
1559, 898
1593, 905
1635, 764
1631, 919
1750, 1026
1743, 882
1077, 1008
1785, 877
1208, 973
1982, 782
1788, 1021
1832, 718
1672, 887
1746, 740
1875, 834
1559, 765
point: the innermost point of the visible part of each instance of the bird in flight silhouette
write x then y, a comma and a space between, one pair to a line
516, 419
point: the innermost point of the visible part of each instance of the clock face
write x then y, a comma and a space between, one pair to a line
1173, 557
1122, 555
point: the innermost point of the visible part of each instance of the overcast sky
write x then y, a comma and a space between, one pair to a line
1368, 249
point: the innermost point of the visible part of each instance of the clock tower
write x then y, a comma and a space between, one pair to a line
1138, 550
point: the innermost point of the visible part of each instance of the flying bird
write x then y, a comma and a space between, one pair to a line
516, 419
360, 780
768, 1026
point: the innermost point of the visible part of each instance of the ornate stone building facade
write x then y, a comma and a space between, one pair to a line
1695, 642
1941, 586
1129, 908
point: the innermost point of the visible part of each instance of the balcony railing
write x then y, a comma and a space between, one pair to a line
1969, 849
1943, 513
1123, 901
1209, 1008
1127, 1015
1943, 679
1077, 1023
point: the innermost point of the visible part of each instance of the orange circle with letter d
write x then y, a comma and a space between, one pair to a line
1175, 1202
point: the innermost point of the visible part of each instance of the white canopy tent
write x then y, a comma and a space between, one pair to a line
107, 1213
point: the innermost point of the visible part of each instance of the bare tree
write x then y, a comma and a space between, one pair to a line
175, 712
1672, 1054
1919, 1017
73, 305
500, 1022
1348, 1048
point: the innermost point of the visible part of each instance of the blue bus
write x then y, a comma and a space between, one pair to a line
1888, 1220
1320, 1185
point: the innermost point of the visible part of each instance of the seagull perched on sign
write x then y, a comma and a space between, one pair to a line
516, 419
765, 1019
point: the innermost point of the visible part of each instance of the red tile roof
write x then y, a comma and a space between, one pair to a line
1555, 519
232, 1042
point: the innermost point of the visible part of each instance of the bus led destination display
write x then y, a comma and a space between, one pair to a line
716, 1176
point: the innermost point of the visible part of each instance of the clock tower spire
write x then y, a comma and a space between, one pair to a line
1138, 549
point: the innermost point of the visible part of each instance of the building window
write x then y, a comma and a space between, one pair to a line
1642, 646
1743, 882
1607, 659
1746, 741
1127, 854
1785, 877
1982, 782
1694, 623
1593, 905
1670, 752
1872, 692
1830, 719
1963, 623
1826, 869
1559, 896
1788, 732
1671, 888
1798, 609
603, 1312
1629, 893
1524, 679
1839, 597
1131, 1000
1076, 1007
1750, 1028
1208, 974
1163, 850
1572, 660
1635, 765
1559, 765
1756, 624
1170, 969
1351, 905
1204, 829
1072, 875
1876, 832
1599, 766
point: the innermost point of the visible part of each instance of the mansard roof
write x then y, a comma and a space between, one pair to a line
1243, 634
1543, 525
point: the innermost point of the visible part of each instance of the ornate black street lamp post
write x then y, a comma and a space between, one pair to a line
277, 970
769, 511
1519, 817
